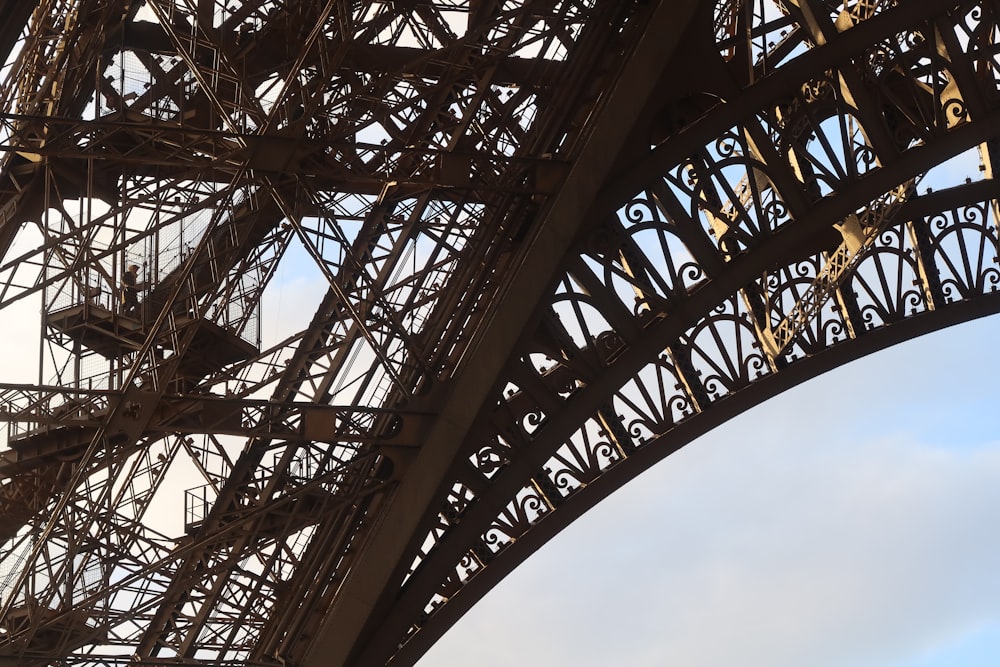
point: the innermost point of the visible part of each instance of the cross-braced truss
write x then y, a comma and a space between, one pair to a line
558, 239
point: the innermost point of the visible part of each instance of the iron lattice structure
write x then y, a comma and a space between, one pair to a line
559, 239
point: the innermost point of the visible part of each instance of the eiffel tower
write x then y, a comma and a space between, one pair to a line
554, 242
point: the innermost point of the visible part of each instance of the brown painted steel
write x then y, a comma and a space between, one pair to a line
555, 242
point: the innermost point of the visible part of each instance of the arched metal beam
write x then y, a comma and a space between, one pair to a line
463, 544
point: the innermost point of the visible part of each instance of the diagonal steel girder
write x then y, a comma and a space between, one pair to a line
368, 590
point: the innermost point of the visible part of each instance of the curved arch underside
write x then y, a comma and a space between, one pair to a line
662, 323
558, 241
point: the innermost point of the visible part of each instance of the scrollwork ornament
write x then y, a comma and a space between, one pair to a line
716, 386
891, 237
722, 308
681, 406
868, 316
497, 537
603, 451
815, 90
775, 212
805, 268
831, 330
566, 479
955, 109
530, 507
939, 222
912, 39
641, 428
565, 386
633, 211
691, 274
637, 429
865, 157
755, 366
952, 290
467, 567
490, 459
990, 279
728, 145
516, 518
976, 215
582, 459
687, 173
532, 421
913, 301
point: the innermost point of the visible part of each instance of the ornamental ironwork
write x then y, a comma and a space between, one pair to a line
554, 241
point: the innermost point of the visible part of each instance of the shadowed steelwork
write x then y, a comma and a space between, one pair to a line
557, 240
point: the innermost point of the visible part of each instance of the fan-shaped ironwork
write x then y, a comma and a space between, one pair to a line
557, 239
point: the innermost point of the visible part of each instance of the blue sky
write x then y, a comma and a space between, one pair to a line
851, 521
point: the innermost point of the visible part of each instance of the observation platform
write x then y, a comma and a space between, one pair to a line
97, 328
113, 335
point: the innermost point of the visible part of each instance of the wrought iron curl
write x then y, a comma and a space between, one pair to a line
467, 567
912, 40
692, 273
956, 109
633, 210
755, 365
532, 421
807, 267
776, 212
566, 479
490, 459
816, 90
865, 157
728, 145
